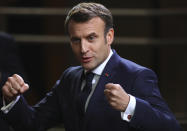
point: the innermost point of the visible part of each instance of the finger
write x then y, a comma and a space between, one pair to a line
112, 86
13, 92
107, 92
111, 89
6, 91
24, 88
109, 95
109, 85
14, 84
19, 79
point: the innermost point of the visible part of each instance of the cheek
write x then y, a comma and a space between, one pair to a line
75, 48
75, 51
103, 51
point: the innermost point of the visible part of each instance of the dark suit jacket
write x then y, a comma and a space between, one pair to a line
60, 105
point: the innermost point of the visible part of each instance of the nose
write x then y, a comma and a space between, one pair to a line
84, 46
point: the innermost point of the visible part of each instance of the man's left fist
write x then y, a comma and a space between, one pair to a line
116, 96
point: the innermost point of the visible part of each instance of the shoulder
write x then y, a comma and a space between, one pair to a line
71, 72
137, 70
120, 62
128, 64
72, 69
68, 75
130, 67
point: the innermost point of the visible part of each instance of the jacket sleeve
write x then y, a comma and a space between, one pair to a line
44, 115
151, 112
40, 117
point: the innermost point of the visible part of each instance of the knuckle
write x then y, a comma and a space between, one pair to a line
15, 75
113, 99
110, 99
4, 89
26, 85
106, 91
118, 86
9, 79
5, 85
112, 104
14, 91
113, 92
19, 78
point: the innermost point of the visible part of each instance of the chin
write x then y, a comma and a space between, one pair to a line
88, 66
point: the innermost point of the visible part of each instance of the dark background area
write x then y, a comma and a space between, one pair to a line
152, 33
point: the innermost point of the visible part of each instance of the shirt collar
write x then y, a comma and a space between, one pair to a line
101, 67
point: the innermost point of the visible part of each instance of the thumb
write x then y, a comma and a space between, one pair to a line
109, 85
24, 88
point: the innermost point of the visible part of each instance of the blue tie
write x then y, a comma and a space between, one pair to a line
86, 90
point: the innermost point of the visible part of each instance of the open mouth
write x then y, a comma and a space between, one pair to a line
86, 59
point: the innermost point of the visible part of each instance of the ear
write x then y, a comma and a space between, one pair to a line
110, 36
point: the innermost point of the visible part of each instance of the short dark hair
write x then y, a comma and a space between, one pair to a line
86, 11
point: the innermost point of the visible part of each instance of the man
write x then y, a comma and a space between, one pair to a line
9, 65
105, 93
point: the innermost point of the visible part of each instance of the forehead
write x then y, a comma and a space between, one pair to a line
95, 25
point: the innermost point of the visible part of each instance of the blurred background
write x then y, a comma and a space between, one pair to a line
152, 33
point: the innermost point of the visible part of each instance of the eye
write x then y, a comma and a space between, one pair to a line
91, 38
75, 40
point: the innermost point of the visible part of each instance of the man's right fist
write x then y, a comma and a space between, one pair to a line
13, 87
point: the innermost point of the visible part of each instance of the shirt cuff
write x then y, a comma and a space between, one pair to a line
129, 112
6, 108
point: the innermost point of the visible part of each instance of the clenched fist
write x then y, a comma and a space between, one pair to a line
13, 87
116, 96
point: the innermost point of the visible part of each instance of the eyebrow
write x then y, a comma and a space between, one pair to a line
92, 34
74, 37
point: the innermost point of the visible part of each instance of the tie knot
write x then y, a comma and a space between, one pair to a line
89, 76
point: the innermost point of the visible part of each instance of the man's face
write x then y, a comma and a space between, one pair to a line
89, 43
